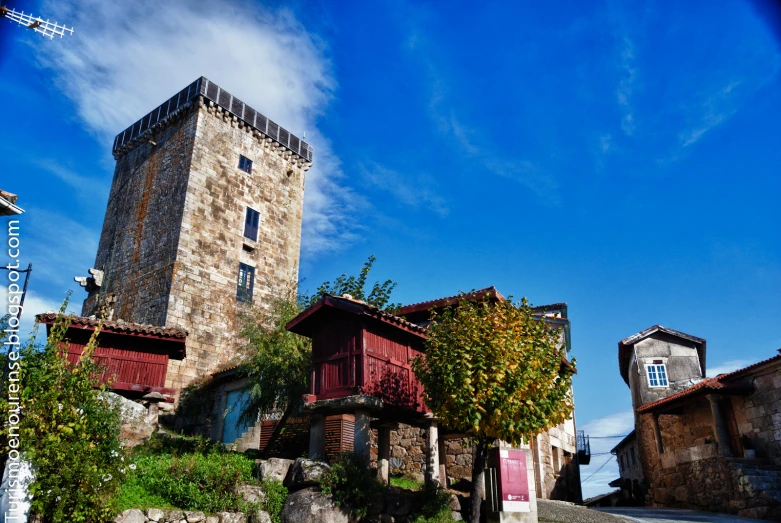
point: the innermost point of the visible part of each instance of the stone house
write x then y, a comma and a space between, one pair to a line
693, 432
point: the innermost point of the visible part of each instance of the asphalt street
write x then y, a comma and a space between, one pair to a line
666, 515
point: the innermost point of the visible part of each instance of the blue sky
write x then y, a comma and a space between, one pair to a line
622, 157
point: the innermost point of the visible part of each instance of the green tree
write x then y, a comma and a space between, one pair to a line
279, 362
69, 432
355, 286
495, 371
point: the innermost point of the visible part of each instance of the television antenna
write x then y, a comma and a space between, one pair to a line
46, 28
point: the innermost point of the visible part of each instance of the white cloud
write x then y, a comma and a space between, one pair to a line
127, 57
626, 86
599, 430
411, 189
34, 304
727, 366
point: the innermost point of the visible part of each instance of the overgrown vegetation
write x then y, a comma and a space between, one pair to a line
350, 482
495, 371
69, 433
436, 505
193, 473
204, 482
405, 482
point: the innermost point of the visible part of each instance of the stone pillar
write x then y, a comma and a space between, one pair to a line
443, 462
722, 435
658, 435
383, 454
432, 453
362, 435
317, 437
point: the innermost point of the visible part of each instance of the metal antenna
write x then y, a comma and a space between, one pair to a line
46, 28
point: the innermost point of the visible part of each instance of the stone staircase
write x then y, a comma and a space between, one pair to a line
761, 479
249, 439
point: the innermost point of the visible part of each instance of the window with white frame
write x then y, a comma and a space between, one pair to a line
657, 375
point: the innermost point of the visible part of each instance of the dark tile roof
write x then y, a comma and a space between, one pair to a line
118, 326
347, 303
625, 346
706, 386
629, 437
491, 292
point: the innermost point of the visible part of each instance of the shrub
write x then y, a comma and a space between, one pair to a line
276, 494
435, 506
405, 482
204, 482
70, 435
350, 482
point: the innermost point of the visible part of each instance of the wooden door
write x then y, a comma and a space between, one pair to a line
732, 428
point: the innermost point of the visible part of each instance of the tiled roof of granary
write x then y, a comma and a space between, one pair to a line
118, 326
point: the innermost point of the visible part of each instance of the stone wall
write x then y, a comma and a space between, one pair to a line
759, 415
173, 239
556, 472
408, 454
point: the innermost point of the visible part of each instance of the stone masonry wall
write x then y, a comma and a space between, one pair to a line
408, 453
759, 415
212, 244
172, 237
138, 243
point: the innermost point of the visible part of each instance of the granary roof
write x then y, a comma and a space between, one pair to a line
304, 322
729, 383
423, 307
118, 327
625, 346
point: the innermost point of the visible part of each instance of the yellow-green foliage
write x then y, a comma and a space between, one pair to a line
70, 434
494, 370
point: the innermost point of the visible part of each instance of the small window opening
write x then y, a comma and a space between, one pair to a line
251, 222
246, 283
657, 375
245, 164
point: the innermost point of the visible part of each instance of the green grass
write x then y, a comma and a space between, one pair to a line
134, 495
405, 483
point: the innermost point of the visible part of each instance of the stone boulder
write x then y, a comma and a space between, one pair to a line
309, 505
231, 517
251, 493
305, 473
132, 515
275, 468
155, 514
135, 428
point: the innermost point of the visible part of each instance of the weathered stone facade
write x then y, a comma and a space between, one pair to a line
173, 235
556, 471
692, 434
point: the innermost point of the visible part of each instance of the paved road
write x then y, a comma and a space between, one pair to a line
668, 515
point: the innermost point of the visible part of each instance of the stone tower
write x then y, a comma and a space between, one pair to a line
204, 217
658, 362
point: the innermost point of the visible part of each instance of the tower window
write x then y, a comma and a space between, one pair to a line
251, 222
246, 283
245, 164
657, 375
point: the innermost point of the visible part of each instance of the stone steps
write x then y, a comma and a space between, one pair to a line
761, 477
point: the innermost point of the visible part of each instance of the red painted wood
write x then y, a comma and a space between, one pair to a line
351, 357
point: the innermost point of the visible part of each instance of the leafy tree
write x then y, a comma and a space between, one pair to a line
494, 371
355, 286
279, 362
69, 432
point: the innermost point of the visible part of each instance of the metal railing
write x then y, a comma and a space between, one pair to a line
584, 448
213, 92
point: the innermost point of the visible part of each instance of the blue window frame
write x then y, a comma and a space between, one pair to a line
246, 283
245, 164
657, 375
251, 222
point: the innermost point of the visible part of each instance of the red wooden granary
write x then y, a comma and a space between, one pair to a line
360, 350
135, 356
